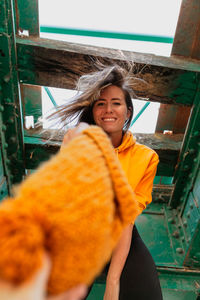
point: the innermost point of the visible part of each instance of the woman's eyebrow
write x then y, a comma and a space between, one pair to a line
102, 99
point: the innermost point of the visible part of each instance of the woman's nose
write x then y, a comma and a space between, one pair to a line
109, 108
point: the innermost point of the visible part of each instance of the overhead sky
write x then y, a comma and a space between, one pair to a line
150, 17
158, 17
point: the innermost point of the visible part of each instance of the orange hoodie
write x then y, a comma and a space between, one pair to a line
139, 164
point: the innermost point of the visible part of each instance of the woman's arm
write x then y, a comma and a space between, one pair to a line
117, 263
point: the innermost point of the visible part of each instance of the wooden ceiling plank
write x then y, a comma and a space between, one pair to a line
60, 64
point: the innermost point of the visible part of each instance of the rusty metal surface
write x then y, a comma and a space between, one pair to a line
187, 36
26, 15
172, 118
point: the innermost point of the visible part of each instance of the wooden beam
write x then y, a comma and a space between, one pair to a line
162, 193
38, 149
187, 36
60, 64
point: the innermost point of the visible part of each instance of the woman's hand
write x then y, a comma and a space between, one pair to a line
112, 291
73, 132
34, 288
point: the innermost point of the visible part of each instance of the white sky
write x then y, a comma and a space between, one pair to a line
158, 17
152, 17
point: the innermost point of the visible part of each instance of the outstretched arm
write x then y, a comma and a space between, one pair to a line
118, 260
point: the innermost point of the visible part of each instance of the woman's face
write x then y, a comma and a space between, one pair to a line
110, 111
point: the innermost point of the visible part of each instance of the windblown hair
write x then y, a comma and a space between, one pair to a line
89, 88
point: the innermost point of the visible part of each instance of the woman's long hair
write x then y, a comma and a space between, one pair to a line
89, 88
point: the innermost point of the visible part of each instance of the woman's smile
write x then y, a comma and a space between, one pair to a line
109, 119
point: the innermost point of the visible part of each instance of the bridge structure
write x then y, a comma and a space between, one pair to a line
170, 225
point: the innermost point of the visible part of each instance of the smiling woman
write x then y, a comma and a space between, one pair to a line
105, 101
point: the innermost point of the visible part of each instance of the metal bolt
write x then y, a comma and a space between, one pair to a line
11, 120
170, 220
175, 234
185, 223
13, 139
198, 255
3, 127
186, 167
6, 78
5, 145
1, 108
179, 250
196, 133
192, 151
188, 215
8, 100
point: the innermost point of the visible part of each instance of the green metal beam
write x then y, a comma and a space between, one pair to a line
107, 34
189, 159
10, 105
140, 113
26, 14
51, 97
32, 101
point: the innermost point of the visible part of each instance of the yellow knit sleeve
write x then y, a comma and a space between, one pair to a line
21, 244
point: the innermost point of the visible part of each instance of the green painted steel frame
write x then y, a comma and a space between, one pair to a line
27, 19
189, 159
11, 118
26, 14
107, 34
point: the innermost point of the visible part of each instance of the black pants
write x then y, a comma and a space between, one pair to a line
139, 279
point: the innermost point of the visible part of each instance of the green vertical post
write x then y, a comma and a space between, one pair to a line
27, 18
10, 102
188, 164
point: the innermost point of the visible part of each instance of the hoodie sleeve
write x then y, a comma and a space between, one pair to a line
143, 190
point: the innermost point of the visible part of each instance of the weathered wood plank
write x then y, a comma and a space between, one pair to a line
39, 149
187, 36
162, 193
59, 64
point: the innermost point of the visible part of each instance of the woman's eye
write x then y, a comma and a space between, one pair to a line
99, 104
